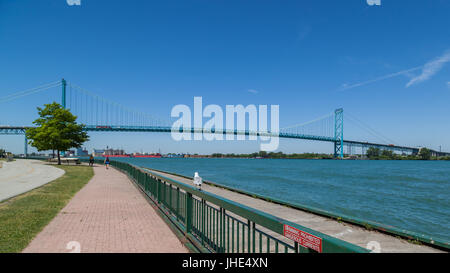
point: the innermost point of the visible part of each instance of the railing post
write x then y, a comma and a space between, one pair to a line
158, 190
189, 212
249, 226
164, 197
178, 203
223, 230
203, 221
304, 250
170, 197
146, 183
253, 237
219, 228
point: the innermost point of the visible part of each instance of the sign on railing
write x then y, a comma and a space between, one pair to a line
303, 238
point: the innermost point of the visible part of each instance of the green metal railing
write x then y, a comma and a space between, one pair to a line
215, 224
433, 242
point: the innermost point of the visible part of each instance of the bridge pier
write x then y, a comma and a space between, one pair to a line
25, 150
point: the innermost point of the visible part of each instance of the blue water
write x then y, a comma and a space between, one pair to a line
412, 195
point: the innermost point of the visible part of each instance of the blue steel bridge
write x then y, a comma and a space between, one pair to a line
102, 115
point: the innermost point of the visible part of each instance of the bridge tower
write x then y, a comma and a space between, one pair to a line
339, 133
63, 97
25, 150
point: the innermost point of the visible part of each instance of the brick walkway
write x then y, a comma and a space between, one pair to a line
108, 215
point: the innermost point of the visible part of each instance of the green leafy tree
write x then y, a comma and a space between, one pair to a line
373, 152
56, 129
388, 154
425, 154
263, 154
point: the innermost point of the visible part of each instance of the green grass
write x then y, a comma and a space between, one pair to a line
24, 216
4, 159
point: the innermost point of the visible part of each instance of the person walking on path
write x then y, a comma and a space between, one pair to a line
107, 162
91, 160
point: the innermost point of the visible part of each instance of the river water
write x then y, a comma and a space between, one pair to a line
411, 195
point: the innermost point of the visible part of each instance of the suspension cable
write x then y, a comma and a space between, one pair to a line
30, 91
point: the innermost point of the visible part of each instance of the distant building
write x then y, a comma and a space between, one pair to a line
96, 152
114, 152
82, 152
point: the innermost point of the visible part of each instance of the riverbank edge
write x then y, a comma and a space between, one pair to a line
410, 236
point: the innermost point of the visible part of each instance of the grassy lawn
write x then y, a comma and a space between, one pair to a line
3, 160
24, 216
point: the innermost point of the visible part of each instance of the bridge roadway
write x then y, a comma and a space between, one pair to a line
20, 130
344, 231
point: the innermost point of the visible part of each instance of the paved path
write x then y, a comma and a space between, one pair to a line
347, 232
23, 175
109, 214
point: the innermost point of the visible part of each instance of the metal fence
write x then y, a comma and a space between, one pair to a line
215, 224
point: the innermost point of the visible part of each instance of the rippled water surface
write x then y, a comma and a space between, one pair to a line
412, 195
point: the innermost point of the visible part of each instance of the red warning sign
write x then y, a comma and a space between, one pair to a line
303, 238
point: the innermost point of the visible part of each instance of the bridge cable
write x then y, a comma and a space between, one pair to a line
133, 115
370, 130
30, 91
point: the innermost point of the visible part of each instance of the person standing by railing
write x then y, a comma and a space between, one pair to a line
107, 162
91, 160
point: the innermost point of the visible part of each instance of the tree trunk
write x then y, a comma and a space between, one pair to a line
59, 158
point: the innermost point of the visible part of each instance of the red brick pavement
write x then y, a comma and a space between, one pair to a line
107, 215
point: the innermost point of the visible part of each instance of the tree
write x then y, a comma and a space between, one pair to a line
388, 154
373, 152
262, 154
425, 154
56, 129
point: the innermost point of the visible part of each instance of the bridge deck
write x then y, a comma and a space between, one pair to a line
347, 232
20, 130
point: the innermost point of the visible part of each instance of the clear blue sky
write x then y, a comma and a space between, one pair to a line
310, 57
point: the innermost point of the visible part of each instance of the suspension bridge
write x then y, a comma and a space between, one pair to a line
102, 115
